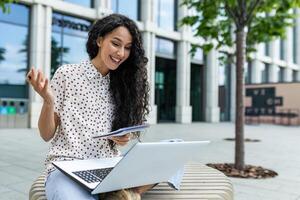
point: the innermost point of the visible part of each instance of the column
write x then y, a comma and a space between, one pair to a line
287, 75
232, 91
256, 67
40, 54
274, 54
298, 43
183, 77
103, 7
288, 46
147, 17
273, 73
212, 110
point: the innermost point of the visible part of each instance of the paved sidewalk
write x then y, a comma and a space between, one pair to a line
22, 153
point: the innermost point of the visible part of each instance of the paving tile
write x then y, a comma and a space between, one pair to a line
3, 189
7, 179
278, 150
22, 187
13, 195
21, 171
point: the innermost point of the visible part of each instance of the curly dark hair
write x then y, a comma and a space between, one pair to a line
128, 83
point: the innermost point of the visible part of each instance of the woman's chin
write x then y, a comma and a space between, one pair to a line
114, 67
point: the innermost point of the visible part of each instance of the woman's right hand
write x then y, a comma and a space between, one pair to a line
40, 84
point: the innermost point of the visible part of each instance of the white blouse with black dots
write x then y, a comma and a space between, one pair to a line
85, 108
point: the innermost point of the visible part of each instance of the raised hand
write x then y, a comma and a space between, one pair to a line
40, 84
121, 140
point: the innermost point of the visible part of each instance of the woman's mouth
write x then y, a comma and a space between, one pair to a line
115, 60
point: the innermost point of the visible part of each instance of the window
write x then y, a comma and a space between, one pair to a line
69, 35
281, 74
14, 45
198, 55
166, 15
265, 73
165, 47
130, 8
295, 76
86, 3
295, 38
222, 75
282, 49
267, 49
247, 73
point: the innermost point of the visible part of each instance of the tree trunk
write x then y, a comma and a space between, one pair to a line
239, 113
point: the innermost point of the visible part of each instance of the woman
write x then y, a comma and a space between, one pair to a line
106, 93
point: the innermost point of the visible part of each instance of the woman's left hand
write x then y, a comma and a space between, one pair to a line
121, 140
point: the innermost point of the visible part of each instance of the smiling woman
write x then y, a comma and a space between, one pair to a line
107, 92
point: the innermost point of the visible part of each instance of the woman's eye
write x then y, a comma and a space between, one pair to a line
115, 44
127, 48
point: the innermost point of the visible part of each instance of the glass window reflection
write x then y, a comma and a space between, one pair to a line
69, 35
164, 46
165, 13
130, 8
198, 55
14, 45
19, 15
86, 3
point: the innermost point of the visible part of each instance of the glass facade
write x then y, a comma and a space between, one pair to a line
165, 80
247, 73
295, 39
166, 14
69, 35
130, 8
165, 47
165, 89
14, 48
281, 74
267, 49
86, 3
198, 55
197, 92
295, 76
282, 53
265, 73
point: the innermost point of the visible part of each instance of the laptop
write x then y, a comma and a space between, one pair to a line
143, 164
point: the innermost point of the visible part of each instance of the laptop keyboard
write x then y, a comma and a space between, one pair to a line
94, 175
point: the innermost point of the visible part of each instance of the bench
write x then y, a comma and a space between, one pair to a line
199, 182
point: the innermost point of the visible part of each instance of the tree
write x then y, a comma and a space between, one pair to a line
239, 24
4, 5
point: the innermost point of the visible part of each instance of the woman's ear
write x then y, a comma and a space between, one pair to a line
99, 41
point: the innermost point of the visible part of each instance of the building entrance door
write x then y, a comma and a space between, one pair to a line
165, 89
197, 92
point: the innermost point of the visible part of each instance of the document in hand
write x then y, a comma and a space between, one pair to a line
123, 131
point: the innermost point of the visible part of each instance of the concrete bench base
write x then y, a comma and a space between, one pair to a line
199, 182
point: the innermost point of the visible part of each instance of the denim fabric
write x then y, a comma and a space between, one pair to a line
60, 187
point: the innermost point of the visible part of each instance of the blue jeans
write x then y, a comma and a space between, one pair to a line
60, 187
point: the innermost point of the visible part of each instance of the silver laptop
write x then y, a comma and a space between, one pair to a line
144, 163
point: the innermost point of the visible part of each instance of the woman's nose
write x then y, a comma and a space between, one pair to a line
121, 52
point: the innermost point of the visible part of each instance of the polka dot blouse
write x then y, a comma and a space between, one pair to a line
84, 106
